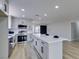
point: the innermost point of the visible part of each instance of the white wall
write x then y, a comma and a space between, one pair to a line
61, 28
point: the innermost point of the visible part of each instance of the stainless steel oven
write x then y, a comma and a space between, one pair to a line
22, 38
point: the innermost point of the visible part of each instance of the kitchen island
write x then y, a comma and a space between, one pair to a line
47, 46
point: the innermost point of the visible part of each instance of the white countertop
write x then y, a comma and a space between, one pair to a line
11, 35
48, 39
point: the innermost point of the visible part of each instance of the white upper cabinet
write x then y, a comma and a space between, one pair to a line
4, 7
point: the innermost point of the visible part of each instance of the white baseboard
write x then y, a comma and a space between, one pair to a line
67, 39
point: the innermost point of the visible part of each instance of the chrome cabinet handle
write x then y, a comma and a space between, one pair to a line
35, 42
42, 50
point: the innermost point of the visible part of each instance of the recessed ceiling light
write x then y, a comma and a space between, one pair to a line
56, 6
22, 9
23, 16
45, 14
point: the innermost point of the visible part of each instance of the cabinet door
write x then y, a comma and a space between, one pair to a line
35, 43
44, 50
39, 45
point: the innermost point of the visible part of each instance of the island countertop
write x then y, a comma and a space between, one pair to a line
48, 39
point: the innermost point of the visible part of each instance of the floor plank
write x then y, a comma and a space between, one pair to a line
71, 50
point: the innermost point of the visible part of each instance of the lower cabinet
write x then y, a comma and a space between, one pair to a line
44, 50
41, 47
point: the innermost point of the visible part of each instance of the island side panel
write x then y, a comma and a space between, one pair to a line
56, 50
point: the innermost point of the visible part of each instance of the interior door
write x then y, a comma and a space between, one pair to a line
73, 31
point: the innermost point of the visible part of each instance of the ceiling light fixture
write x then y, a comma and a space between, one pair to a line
45, 14
56, 6
22, 9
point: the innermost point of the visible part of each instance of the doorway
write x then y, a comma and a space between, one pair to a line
75, 31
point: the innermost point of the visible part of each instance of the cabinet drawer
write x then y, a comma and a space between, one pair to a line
44, 43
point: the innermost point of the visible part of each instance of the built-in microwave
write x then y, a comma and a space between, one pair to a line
22, 26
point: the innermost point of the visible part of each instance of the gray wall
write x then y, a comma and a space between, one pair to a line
3, 38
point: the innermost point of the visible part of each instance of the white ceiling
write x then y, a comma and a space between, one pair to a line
67, 9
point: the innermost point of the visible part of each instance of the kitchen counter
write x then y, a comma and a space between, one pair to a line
47, 46
11, 35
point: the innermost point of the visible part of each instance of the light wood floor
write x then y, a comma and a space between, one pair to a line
23, 51
71, 51
18, 52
